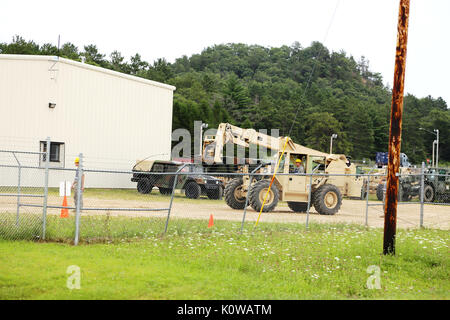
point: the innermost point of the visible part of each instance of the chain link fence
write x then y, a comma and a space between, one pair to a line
22, 195
40, 202
424, 190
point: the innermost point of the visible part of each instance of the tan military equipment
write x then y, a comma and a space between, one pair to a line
327, 191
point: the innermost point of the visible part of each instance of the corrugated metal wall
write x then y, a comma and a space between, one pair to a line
113, 119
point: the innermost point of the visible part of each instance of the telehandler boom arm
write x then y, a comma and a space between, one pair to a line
227, 133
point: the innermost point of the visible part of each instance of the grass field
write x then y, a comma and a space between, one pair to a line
116, 193
132, 194
275, 261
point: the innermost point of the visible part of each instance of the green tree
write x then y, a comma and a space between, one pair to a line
319, 127
20, 46
440, 120
137, 66
236, 99
309, 89
49, 50
360, 133
94, 57
117, 62
69, 51
160, 71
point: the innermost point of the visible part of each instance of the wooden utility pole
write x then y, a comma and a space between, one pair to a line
395, 131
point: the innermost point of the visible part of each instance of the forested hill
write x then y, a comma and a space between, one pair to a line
260, 87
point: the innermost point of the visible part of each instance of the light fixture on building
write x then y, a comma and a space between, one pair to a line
51, 105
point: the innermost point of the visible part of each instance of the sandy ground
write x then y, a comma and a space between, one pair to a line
352, 211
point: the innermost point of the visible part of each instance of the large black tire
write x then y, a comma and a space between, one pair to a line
380, 191
215, 194
328, 199
313, 197
403, 196
363, 193
192, 190
298, 206
428, 193
144, 186
231, 197
258, 192
364, 190
165, 191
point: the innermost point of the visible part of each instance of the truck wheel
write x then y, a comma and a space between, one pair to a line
328, 199
165, 191
402, 195
428, 193
298, 206
233, 196
144, 186
313, 198
257, 193
363, 193
380, 191
192, 190
215, 194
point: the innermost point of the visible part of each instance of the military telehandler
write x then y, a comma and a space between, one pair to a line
327, 190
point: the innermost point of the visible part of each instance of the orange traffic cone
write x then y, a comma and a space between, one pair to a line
211, 221
64, 211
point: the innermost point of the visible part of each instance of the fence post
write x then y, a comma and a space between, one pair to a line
77, 214
173, 193
367, 200
246, 204
422, 188
309, 201
246, 197
44, 209
18, 195
19, 169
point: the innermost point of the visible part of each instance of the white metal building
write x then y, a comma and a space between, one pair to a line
112, 118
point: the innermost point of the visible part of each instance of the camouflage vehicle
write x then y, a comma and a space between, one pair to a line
408, 188
197, 184
327, 190
437, 187
409, 185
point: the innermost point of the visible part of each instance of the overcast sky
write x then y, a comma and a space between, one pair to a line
172, 28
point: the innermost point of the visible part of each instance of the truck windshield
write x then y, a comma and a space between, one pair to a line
196, 169
317, 164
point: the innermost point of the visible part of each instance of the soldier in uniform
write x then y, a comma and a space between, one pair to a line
299, 168
75, 185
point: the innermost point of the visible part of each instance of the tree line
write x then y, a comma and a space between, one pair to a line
258, 87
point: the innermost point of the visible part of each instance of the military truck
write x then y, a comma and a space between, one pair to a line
437, 185
196, 184
327, 190
408, 184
